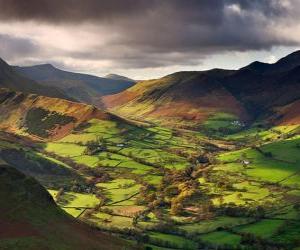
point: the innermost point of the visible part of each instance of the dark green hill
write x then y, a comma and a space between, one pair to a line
30, 219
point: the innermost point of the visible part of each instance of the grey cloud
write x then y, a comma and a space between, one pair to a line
12, 48
155, 33
70, 10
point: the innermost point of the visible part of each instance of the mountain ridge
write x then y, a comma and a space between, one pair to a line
253, 90
10, 78
83, 87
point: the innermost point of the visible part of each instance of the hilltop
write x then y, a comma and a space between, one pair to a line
118, 77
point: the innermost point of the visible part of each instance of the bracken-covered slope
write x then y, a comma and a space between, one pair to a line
184, 96
245, 94
31, 220
10, 78
82, 87
43, 117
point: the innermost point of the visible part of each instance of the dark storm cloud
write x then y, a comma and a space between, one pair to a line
14, 47
189, 11
153, 33
71, 10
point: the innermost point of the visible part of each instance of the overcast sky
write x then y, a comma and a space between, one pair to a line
147, 38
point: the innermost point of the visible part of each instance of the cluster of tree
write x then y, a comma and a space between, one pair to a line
257, 212
178, 189
96, 146
59, 194
97, 175
186, 191
259, 243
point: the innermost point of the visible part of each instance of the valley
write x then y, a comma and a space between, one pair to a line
150, 125
165, 187
158, 169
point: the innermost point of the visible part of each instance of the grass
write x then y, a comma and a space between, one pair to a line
117, 183
65, 149
167, 240
222, 123
72, 199
262, 229
120, 189
222, 238
107, 220
91, 161
289, 235
245, 192
281, 165
134, 155
211, 225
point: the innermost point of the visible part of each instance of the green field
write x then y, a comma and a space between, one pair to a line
149, 183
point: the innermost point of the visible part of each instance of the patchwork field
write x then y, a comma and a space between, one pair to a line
174, 188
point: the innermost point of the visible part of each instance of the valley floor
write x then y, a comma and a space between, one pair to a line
173, 189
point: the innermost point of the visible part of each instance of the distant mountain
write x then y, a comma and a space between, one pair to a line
31, 220
10, 78
118, 77
194, 97
83, 87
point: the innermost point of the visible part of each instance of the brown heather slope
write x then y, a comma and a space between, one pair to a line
30, 219
288, 114
257, 90
189, 97
43, 117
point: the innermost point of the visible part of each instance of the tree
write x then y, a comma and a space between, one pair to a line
59, 195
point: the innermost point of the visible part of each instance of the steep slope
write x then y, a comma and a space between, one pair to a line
287, 114
246, 94
43, 117
184, 97
264, 86
9, 78
83, 87
30, 219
